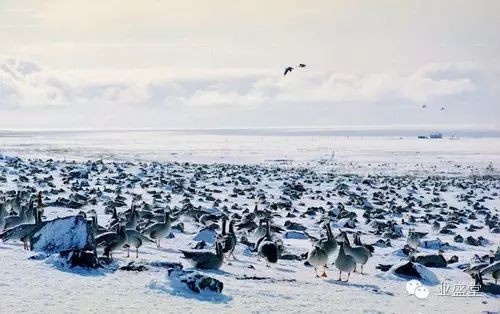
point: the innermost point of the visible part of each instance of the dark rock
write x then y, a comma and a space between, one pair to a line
291, 257
458, 238
131, 266
433, 260
200, 245
383, 267
471, 241
80, 258
198, 282
168, 265
453, 259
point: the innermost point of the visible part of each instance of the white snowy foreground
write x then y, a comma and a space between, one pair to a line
47, 286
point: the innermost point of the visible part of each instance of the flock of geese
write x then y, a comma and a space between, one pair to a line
133, 228
22, 214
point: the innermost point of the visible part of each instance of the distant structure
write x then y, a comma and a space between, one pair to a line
436, 135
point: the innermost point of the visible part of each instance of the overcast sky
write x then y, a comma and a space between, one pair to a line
198, 64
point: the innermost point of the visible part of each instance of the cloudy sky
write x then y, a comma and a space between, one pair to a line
206, 64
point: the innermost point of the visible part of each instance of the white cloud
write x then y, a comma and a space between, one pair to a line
247, 96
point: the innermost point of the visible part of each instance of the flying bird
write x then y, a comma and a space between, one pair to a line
442, 108
288, 69
424, 106
302, 65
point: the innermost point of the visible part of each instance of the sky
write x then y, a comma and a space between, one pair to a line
111, 64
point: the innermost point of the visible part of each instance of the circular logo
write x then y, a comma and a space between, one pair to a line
412, 285
422, 292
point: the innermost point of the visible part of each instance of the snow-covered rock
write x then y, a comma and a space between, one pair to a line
207, 235
414, 270
64, 234
295, 235
196, 281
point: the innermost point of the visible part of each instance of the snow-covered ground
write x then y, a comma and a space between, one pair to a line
42, 286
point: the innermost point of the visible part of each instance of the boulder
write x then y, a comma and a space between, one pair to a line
432, 260
132, 266
414, 270
453, 259
207, 235
196, 281
295, 235
64, 234
471, 241
80, 258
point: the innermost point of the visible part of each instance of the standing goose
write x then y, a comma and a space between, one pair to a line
261, 230
3, 213
132, 219
112, 240
436, 226
344, 263
318, 257
493, 269
159, 230
360, 254
14, 220
205, 259
266, 247
228, 240
413, 240
329, 244
22, 232
135, 238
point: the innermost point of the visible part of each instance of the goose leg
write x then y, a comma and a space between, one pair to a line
362, 270
326, 266
324, 273
136, 252
340, 276
348, 275
128, 252
316, 271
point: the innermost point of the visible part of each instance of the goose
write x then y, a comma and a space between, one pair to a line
132, 219
228, 240
22, 232
3, 213
14, 220
436, 226
112, 240
98, 229
266, 247
344, 263
287, 70
135, 238
360, 254
493, 269
318, 257
204, 259
261, 230
413, 240
357, 241
159, 230
329, 244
